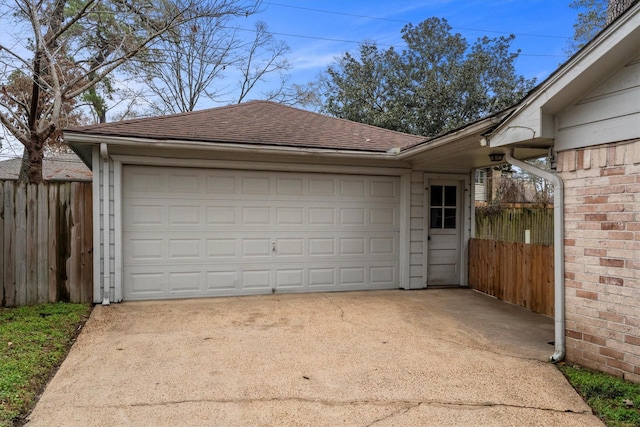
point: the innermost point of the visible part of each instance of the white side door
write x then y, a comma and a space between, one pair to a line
444, 232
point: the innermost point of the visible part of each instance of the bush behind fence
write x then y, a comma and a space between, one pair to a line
508, 224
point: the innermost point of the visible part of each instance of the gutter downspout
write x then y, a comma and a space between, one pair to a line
558, 252
106, 244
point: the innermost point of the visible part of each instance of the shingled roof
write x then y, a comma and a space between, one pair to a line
257, 123
59, 167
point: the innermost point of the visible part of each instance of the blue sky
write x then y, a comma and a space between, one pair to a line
318, 31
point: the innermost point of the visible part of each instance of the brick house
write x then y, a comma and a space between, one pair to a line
588, 113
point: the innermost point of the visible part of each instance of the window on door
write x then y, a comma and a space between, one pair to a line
443, 206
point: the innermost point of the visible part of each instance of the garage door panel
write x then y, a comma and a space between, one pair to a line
221, 248
290, 186
186, 182
322, 187
256, 184
143, 283
383, 189
291, 247
256, 278
221, 215
222, 282
353, 187
181, 249
319, 216
140, 249
291, 278
146, 215
185, 215
240, 232
256, 248
322, 277
185, 281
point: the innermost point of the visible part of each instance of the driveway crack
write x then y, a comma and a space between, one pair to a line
405, 405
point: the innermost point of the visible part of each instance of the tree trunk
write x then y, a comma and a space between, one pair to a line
24, 167
31, 168
616, 8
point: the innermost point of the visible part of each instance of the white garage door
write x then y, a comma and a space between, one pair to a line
210, 232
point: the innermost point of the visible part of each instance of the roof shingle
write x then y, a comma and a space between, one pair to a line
258, 123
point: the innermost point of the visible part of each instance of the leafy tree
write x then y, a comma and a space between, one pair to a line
594, 15
72, 47
590, 20
439, 82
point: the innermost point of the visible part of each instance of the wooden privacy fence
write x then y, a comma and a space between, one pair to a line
46, 254
509, 224
514, 272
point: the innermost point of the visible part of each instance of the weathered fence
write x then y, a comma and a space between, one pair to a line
46, 254
514, 272
509, 224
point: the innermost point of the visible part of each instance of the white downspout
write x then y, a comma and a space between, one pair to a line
106, 281
558, 252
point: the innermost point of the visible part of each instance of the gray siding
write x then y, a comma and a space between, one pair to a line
609, 113
416, 250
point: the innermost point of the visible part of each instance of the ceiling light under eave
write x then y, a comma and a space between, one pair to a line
496, 157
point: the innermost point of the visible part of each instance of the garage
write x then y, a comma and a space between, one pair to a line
200, 232
253, 198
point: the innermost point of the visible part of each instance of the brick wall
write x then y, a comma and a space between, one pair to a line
602, 257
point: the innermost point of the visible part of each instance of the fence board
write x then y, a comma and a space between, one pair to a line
31, 244
43, 243
52, 251
47, 237
514, 272
74, 246
64, 239
9, 245
21, 245
86, 280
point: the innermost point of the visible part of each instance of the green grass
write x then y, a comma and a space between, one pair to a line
607, 395
33, 342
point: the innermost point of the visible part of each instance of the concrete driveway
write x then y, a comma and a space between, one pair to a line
383, 358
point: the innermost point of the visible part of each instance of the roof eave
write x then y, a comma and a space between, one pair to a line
76, 140
532, 121
479, 128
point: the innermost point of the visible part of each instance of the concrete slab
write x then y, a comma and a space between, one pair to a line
435, 357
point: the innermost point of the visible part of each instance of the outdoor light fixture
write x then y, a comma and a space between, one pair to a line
496, 157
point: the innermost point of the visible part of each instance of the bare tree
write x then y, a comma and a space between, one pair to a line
185, 63
212, 60
63, 49
265, 55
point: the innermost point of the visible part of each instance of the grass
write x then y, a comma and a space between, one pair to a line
33, 342
615, 401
